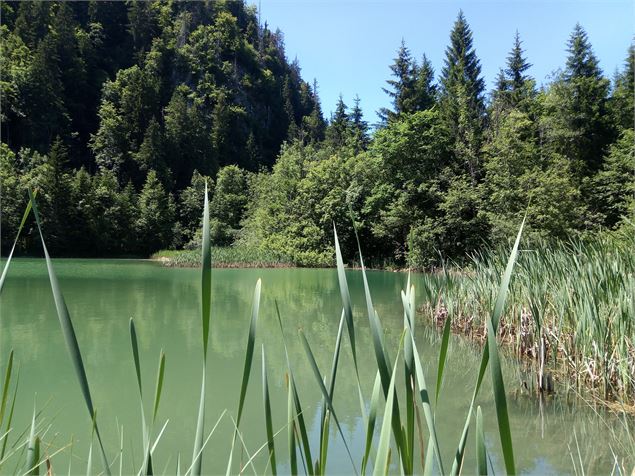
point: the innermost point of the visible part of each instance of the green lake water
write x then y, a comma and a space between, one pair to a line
102, 295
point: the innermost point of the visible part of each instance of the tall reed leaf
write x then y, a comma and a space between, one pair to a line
5, 387
346, 297
304, 437
268, 420
32, 466
494, 320
147, 461
325, 394
481, 451
372, 417
27, 210
381, 462
443, 352
69, 333
206, 275
501, 401
197, 460
249, 354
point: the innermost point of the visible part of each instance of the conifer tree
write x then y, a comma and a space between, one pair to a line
426, 90
576, 122
404, 87
359, 126
623, 97
462, 103
517, 65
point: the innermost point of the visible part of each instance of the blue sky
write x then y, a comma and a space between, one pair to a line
348, 45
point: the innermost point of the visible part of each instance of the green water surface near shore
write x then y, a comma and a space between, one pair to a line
102, 295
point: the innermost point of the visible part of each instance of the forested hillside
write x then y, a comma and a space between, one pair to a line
117, 112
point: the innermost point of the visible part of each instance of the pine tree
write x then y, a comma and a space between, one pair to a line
403, 92
462, 102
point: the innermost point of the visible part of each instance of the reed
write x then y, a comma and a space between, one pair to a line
570, 310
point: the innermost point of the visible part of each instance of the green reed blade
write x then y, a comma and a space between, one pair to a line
443, 353
495, 318
135, 354
383, 448
346, 297
5, 387
69, 332
159, 386
268, 419
425, 400
10, 417
197, 460
325, 394
372, 417
501, 401
206, 275
249, 354
32, 466
481, 451
293, 457
251, 339
27, 211
304, 436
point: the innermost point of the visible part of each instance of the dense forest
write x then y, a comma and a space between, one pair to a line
118, 113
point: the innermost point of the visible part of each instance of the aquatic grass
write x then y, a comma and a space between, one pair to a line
236, 256
570, 310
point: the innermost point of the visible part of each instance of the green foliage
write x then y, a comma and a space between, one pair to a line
228, 205
156, 215
113, 108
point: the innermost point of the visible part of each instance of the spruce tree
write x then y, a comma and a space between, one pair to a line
339, 129
577, 125
404, 87
359, 127
426, 90
517, 65
581, 62
462, 102
623, 97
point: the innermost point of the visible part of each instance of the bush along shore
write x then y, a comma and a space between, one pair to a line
570, 312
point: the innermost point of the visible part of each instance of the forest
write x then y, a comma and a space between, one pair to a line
120, 113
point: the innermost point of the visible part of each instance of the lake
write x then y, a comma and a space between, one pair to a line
102, 295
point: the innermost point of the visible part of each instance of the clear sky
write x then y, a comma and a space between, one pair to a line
348, 45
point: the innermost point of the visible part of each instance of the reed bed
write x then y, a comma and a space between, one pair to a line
225, 257
571, 310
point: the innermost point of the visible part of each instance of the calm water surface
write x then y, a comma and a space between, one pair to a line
103, 295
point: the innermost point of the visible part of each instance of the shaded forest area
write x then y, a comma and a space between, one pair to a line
118, 112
